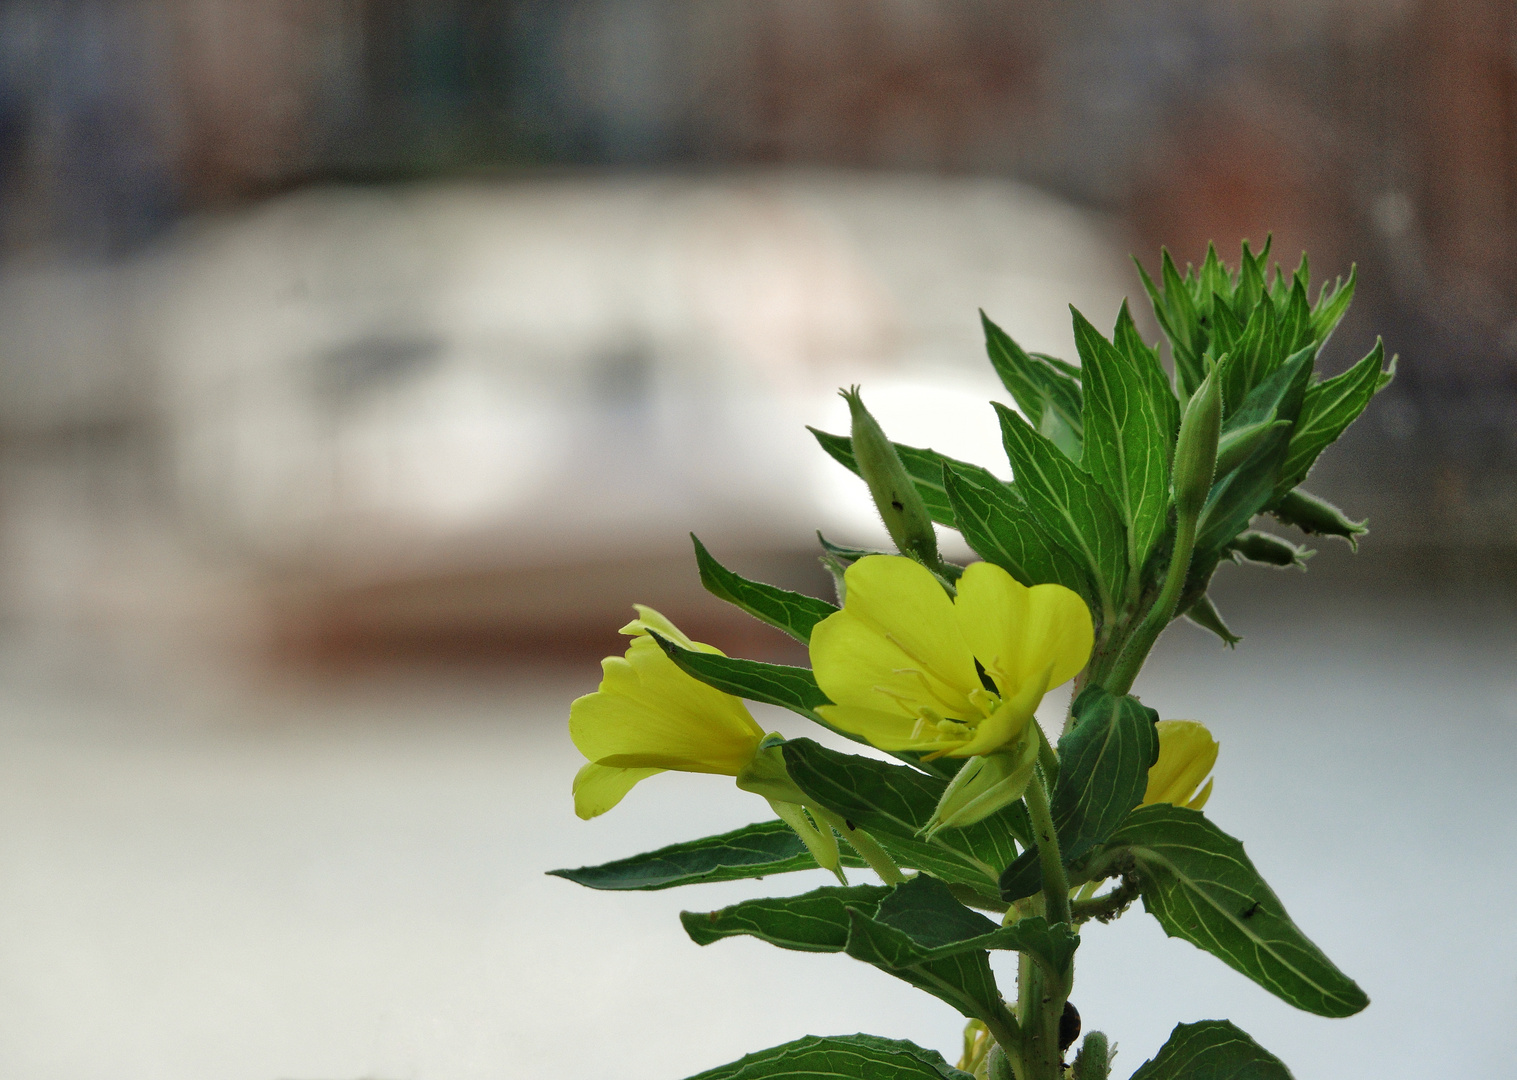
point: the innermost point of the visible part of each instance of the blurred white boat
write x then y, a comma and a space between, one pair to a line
512, 401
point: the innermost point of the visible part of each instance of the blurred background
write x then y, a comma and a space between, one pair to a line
362, 361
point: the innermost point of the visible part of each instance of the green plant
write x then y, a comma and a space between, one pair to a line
1130, 488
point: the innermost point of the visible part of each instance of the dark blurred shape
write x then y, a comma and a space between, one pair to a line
1376, 132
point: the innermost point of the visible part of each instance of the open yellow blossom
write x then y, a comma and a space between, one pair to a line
1187, 753
899, 659
649, 716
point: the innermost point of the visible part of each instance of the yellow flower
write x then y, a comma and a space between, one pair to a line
649, 716
898, 660
1187, 753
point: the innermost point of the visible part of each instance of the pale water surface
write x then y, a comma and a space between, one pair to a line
218, 876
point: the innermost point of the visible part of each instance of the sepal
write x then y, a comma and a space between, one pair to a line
986, 784
1317, 517
1267, 549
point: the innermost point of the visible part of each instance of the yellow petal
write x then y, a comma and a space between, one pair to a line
1201, 796
598, 788
886, 730
1008, 722
895, 647
648, 619
647, 711
1017, 632
1187, 753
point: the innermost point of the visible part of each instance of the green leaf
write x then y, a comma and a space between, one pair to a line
1213, 279
792, 688
833, 919
924, 466
844, 552
794, 613
1225, 328
1241, 495
1050, 397
1237, 444
1127, 339
962, 978
1212, 1050
1104, 760
1245, 491
1251, 273
1127, 448
816, 921
1330, 407
1252, 359
1279, 396
1069, 504
754, 851
817, 1057
1331, 307
1296, 318
1176, 311
894, 803
997, 524
921, 920
1197, 881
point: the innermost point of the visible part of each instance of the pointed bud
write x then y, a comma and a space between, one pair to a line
1093, 1062
1196, 449
895, 495
1266, 548
986, 784
1313, 515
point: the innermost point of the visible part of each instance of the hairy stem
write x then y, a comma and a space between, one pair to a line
869, 849
1007, 1033
1055, 881
1142, 640
1108, 907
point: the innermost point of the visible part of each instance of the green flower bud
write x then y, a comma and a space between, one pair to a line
1266, 548
1196, 450
1093, 1062
1313, 515
894, 493
986, 784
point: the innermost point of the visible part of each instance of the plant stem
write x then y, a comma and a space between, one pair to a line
1131, 661
1006, 1032
1055, 881
1108, 907
869, 850
1048, 759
